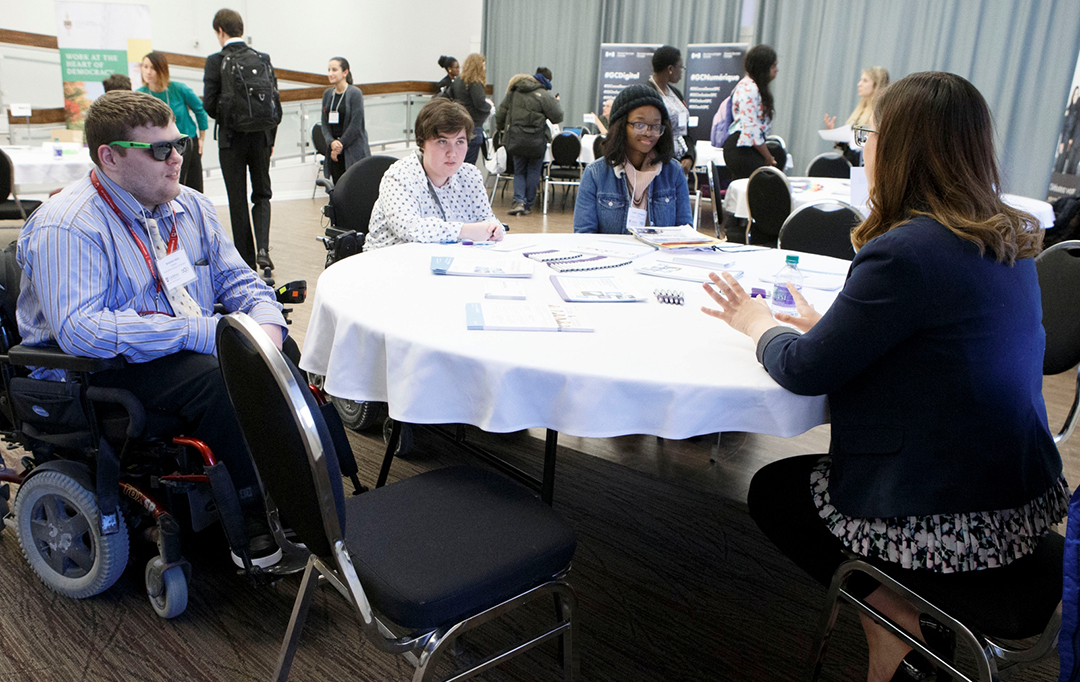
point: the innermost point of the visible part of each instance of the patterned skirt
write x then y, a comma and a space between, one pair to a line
945, 543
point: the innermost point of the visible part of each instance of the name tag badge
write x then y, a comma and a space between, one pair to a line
176, 270
684, 117
635, 217
332, 117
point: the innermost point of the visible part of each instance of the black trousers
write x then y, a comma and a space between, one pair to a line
741, 161
191, 173
336, 168
782, 505
189, 385
248, 154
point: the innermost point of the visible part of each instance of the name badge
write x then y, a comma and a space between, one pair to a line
684, 117
332, 117
176, 270
635, 217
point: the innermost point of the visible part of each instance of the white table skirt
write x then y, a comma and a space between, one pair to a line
821, 189
39, 166
586, 155
384, 328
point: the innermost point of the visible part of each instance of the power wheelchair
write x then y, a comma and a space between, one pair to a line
102, 469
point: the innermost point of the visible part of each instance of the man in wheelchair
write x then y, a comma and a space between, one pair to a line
128, 263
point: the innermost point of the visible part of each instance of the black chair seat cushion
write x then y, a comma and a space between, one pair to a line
1011, 602
10, 211
448, 543
561, 173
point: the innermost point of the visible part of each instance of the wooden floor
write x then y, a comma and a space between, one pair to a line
761, 633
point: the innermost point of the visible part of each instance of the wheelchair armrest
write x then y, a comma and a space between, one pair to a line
52, 357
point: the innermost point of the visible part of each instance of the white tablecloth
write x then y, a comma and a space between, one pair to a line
40, 166
586, 155
384, 328
820, 189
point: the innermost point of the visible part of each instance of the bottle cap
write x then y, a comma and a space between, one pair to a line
792, 260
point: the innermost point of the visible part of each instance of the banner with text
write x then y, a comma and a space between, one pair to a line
712, 70
96, 40
623, 64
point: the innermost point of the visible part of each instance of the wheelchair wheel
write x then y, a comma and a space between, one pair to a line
167, 589
59, 528
357, 415
405, 439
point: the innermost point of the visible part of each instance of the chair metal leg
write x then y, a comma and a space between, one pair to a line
388, 458
296, 622
547, 181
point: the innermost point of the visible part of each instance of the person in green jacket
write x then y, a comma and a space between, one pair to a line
184, 102
523, 116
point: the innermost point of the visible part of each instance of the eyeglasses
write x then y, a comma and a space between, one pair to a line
161, 151
657, 129
862, 134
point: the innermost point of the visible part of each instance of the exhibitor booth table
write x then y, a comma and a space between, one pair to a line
385, 328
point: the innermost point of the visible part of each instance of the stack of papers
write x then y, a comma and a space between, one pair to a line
525, 317
683, 237
595, 289
477, 266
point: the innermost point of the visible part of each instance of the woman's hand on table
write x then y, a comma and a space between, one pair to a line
807, 317
742, 313
490, 231
830, 122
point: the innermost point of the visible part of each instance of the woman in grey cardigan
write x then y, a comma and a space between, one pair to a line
343, 120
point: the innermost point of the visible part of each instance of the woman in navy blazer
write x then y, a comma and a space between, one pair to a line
941, 458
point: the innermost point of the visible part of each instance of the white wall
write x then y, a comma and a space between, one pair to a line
383, 41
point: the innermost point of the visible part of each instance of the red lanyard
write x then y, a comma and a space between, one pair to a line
173, 241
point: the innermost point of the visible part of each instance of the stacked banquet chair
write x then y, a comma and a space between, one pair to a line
470, 545
101, 469
349, 212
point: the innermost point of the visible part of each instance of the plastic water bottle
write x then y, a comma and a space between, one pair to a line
782, 300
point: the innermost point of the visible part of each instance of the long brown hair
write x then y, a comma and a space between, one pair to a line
935, 157
161, 67
474, 71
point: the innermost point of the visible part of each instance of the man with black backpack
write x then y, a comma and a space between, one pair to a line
240, 92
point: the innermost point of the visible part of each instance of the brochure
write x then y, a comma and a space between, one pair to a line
595, 289
688, 273
683, 237
522, 316
475, 266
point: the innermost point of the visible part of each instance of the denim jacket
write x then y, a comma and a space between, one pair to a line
603, 199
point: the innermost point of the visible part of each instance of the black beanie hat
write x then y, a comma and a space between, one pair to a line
636, 96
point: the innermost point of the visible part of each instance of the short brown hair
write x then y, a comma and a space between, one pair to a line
117, 81
442, 116
161, 66
935, 157
115, 114
230, 21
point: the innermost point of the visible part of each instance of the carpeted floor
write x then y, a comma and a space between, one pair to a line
674, 582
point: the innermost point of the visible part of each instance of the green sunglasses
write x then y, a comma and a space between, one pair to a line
160, 150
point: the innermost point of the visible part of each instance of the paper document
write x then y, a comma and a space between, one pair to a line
521, 316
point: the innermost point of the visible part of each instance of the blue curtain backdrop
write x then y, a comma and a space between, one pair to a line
565, 36
1021, 54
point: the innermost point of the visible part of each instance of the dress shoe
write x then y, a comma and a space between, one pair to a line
262, 259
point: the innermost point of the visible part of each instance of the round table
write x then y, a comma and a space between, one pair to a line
40, 167
385, 328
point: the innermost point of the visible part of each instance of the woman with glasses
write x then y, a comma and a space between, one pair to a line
637, 183
871, 84
667, 71
184, 103
941, 469
343, 120
752, 109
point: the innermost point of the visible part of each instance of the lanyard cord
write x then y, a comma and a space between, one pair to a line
173, 240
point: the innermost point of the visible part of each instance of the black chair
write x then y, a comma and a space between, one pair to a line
778, 148
1059, 280
564, 169
768, 198
1016, 602
13, 208
354, 196
321, 150
506, 176
719, 179
422, 560
823, 227
598, 146
829, 165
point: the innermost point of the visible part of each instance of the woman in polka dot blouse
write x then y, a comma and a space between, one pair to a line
430, 196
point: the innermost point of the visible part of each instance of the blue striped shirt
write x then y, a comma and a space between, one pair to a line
87, 287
